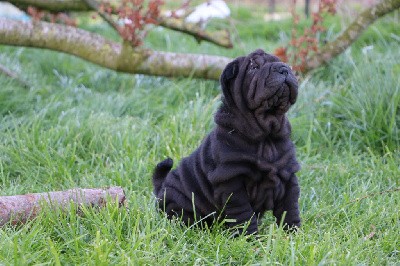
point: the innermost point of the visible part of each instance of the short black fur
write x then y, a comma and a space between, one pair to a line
247, 164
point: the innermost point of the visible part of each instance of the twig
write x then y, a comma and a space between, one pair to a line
13, 75
221, 38
323, 212
373, 195
94, 5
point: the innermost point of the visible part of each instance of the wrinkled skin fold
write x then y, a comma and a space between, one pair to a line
247, 164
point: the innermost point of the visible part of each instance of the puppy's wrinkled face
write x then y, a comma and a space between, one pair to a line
267, 84
271, 85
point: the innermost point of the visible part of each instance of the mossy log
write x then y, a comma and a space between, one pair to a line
120, 57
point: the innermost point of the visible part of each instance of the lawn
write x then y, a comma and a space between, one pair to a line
84, 126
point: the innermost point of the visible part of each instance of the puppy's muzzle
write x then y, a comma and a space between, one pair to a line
281, 69
290, 79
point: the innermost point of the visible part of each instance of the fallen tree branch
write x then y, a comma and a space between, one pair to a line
21, 208
96, 49
221, 38
13, 75
352, 32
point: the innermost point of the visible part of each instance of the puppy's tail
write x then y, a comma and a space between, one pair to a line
160, 172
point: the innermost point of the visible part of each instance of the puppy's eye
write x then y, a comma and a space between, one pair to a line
253, 65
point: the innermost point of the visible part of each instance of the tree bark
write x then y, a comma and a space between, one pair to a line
221, 38
53, 5
344, 40
21, 208
120, 57
307, 8
271, 6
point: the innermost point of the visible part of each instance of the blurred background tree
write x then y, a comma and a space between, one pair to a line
51, 27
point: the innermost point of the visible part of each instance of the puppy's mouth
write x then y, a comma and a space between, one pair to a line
280, 97
279, 102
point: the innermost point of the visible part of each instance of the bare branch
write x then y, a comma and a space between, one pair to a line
344, 40
375, 194
96, 7
21, 208
13, 75
221, 38
96, 49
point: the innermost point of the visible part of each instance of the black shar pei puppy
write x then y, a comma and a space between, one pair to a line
247, 164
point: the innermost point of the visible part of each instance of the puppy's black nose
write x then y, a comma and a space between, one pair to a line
284, 70
281, 68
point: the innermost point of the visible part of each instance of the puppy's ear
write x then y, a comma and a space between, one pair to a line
231, 70
228, 75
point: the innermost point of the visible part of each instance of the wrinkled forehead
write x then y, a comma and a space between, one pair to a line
260, 57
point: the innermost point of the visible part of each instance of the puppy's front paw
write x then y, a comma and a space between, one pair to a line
291, 224
292, 227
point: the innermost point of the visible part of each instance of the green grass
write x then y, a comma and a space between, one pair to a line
82, 125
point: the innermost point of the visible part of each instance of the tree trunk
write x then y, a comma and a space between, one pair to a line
307, 8
21, 208
96, 49
271, 6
